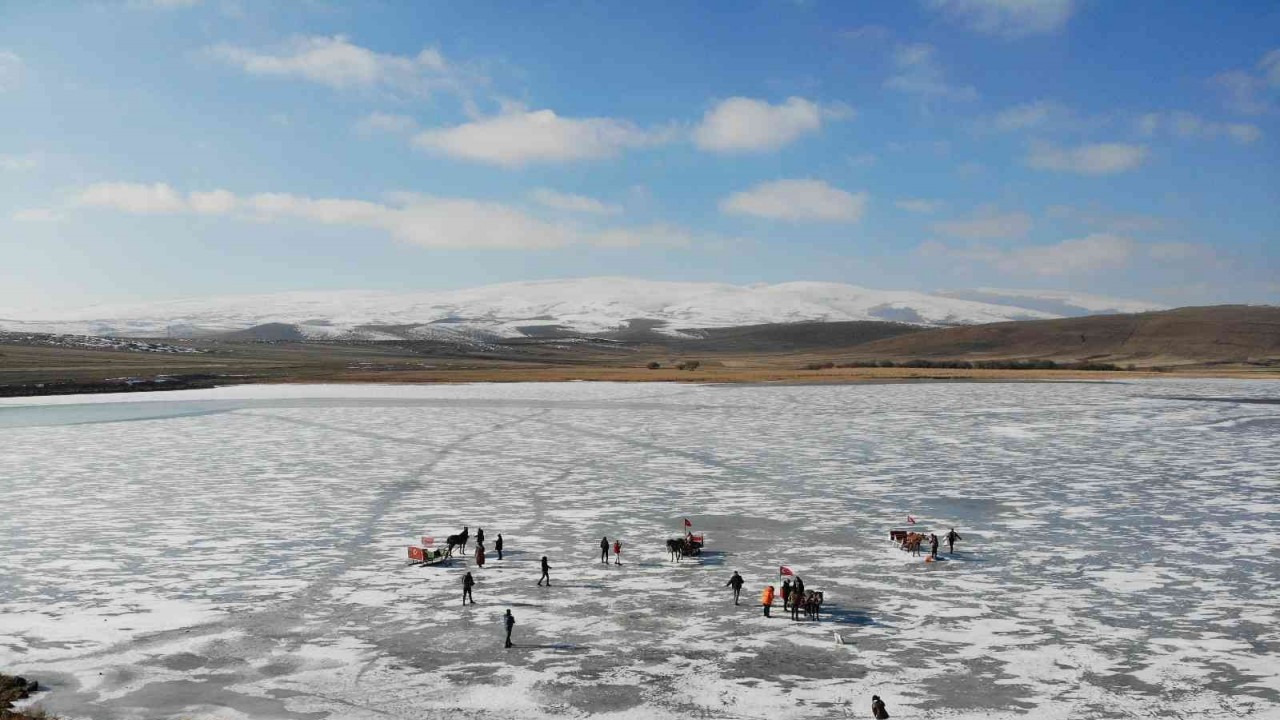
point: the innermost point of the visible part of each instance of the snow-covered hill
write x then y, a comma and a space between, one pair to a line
591, 306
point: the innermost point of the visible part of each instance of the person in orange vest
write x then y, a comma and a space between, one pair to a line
766, 599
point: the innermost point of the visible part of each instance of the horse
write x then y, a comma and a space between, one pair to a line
912, 541
457, 541
675, 546
812, 604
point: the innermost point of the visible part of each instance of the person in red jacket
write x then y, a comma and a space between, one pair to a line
617, 551
479, 555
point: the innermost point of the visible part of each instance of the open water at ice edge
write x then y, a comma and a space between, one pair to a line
239, 552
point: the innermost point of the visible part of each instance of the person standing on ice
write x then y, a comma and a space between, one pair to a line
479, 555
468, 582
617, 551
878, 710
604, 550
546, 572
766, 599
786, 594
479, 535
952, 537
497, 545
736, 582
510, 621
933, 546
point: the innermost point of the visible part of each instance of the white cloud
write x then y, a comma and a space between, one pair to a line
11, 70
336, 62
519, 138
163, 4
987, 223
573, 203
36, 215
415, 219
378, 122
1181, 252
134, 198
1191, 126
1008, 18
1251, 91
1096, 159
1026, 116
214, 202
19, 162
917, 73
1105, 220
1079, 256
797, 200
920, 206
741, 124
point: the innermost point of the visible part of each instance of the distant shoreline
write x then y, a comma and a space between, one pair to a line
705, 375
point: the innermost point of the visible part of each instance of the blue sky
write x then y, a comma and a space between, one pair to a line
168, 148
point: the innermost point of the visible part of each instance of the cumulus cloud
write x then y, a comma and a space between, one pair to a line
1105, 220
416, 219
1095, 159
798, 201
11, 70
338, 63
136, 198
920, 206
1079, 256
519, 138
1191, 126
917, 72
1252, 91
1026, 116
375, 123
741, 124
19, 162
572, 203
1007, 18
36, 215
987, 223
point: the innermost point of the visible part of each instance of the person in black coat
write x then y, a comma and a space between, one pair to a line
604, 550
952, 537
468, 582
510, 622
497, 545
736, 583
480, 535
546, 572
878, 710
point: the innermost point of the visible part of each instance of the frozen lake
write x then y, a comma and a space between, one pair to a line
239, 553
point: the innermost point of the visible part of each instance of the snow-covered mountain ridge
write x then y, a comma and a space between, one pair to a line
590, 306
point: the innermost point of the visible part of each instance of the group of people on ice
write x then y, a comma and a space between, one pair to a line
911, 542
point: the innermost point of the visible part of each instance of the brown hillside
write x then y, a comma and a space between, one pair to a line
1218, 334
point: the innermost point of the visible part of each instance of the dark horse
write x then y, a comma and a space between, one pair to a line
458, 541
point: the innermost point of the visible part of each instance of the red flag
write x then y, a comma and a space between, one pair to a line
428, 541
784, 570
911, 520
687, 523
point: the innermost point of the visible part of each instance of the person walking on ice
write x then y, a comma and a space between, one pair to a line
510, 621
736, 583
468, 582
952, 537
766, 599
497, 545
546, 572
617, 551
604, 550
933, 546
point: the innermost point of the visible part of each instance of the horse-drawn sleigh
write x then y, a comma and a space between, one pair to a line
688, 546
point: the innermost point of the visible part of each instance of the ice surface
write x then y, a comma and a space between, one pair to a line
239, 553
